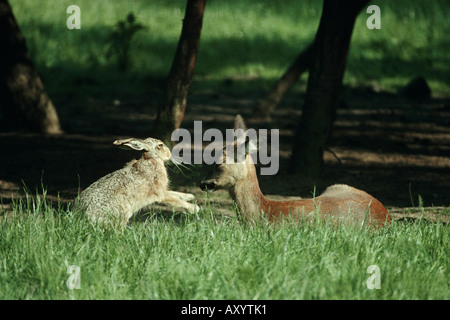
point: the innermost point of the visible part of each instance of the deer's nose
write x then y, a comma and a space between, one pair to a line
208, 186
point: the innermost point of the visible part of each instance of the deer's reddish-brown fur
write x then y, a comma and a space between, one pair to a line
339, 202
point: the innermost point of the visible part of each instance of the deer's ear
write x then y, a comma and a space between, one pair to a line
239, 123
132, 143
251, 146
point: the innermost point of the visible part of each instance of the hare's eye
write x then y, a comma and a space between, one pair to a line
159, 146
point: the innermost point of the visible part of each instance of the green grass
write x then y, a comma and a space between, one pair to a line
196, 257
243, 40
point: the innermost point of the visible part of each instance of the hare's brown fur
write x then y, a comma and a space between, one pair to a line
118, 195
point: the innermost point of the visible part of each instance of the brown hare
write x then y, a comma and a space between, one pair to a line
117, 196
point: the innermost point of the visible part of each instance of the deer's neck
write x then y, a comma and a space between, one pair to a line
248, 196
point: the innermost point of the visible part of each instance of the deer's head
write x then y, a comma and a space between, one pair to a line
229, 169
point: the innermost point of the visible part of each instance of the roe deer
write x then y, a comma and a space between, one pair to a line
116, 196
339, 202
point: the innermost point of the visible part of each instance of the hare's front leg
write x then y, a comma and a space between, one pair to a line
176, 202
181, 195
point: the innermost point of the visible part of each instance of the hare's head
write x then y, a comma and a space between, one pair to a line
153, 148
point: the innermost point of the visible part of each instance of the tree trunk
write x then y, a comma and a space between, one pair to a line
171, 113
23, 100
265, 107
324, 83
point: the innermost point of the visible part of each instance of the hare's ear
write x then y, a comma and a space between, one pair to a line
132, 143
239, 123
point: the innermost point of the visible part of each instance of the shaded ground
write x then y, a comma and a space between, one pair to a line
387, 145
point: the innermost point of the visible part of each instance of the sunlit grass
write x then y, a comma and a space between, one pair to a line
199, 257
239, 39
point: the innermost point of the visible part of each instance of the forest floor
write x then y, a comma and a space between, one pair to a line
396, 149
